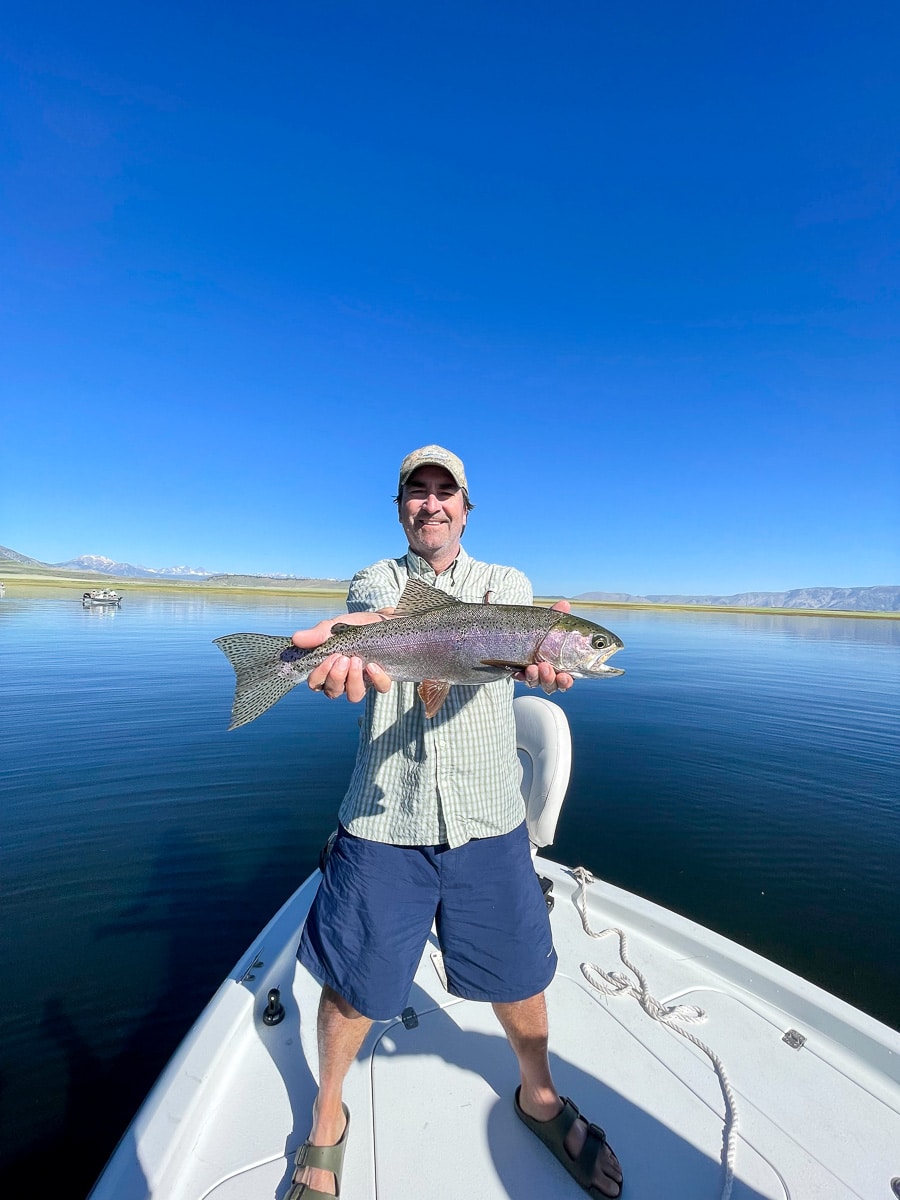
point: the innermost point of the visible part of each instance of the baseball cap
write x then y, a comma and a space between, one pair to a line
433, 456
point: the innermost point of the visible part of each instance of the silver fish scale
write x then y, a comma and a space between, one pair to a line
437, 637
449, 643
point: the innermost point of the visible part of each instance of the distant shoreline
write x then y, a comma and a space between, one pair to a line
84, 580
12, 572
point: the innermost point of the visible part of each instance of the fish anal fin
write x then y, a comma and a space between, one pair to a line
433, 693
421, 597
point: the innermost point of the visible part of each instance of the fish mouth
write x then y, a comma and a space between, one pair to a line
596, 666
594, 670
609, 654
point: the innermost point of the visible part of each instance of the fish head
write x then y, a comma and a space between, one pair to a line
579, 647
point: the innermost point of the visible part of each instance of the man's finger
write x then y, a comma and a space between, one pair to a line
317, 677
378, 677
355, 684
336, 679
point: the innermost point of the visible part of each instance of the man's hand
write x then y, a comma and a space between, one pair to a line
544, 674
340, 675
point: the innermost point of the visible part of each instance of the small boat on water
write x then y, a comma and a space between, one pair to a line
104, 596
716, 1073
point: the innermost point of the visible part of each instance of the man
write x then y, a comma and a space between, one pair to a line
433, 803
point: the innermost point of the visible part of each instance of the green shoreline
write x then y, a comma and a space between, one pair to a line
13, 572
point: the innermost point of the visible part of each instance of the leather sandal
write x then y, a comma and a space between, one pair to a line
324, 1158
553, 1134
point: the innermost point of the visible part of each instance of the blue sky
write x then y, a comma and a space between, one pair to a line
637, 264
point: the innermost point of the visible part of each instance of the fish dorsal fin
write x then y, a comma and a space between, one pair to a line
420, 597
433, 693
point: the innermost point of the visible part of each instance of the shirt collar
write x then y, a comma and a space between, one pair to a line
420, 569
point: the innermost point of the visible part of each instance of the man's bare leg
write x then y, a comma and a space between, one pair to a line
341, 1032
525, 1025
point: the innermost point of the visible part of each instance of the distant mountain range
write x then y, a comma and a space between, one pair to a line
106, 566
98, 564
859, 599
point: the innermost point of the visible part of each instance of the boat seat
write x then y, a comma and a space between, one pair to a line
544, 745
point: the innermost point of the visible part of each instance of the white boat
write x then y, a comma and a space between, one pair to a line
779, 1090
105, 596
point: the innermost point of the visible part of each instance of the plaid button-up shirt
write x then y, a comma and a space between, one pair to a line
421, 782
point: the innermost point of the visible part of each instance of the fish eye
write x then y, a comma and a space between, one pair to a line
599, 642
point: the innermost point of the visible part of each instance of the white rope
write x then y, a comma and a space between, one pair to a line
616, 983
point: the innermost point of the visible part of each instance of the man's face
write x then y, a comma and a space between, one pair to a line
433, 513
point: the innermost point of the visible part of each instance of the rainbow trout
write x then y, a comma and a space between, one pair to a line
434, 640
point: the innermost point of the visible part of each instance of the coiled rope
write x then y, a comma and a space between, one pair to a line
616, 983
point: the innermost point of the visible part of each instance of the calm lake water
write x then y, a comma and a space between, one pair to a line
744, 772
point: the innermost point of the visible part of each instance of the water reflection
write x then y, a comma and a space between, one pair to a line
101, 610
744, 771
193, 604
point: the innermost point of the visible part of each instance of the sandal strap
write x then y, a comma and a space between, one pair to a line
594, 1142
302, 1191
323, 1158
568, 1115
581, 1167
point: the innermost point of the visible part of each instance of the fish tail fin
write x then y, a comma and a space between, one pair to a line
263, 672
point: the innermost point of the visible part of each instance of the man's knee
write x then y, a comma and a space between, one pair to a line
524, 1018
334, 1002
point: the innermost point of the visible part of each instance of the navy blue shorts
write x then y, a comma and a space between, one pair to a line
375, 906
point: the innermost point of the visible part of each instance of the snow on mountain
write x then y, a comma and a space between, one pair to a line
108, 566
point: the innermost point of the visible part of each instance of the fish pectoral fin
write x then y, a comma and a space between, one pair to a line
420, 597
505, 666
433, 693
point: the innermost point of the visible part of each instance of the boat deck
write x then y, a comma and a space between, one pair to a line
432, 1112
